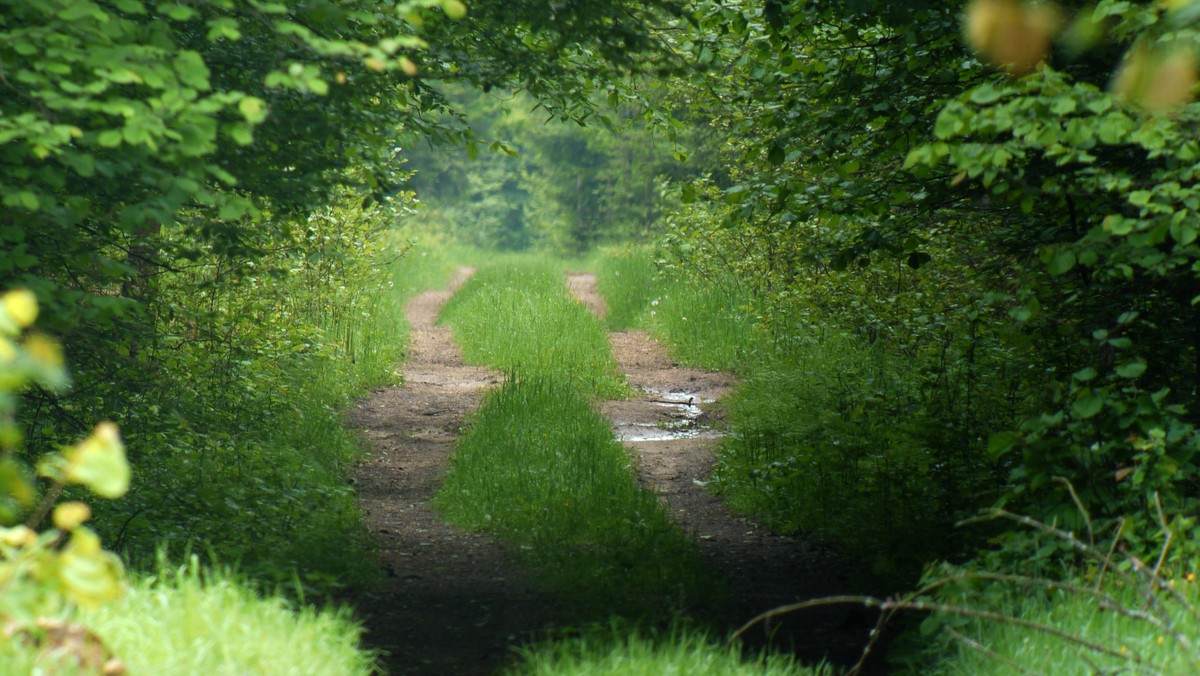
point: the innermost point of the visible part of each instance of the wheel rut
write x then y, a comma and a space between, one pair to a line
453, 602
672, 430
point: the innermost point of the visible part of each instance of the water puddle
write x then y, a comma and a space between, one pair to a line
676, 415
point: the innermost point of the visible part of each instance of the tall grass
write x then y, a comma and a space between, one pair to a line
830, 437
620, 653
518, 316
186, 622
705, 322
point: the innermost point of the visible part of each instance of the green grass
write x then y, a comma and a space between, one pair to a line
705, 323
186, 622
517, 315
541, 469
679, 652
254, 467
1128, 634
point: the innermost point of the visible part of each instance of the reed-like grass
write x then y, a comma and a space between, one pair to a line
619, 653
517, 315
188, 622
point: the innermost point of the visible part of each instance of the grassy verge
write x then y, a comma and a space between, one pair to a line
1127, 620
517, 316
249, 457
678, 652
191, 622
704, 322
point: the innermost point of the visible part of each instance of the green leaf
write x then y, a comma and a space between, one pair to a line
1061, 262
1085, 374
985, 94
253, 109
776, 154
1087, 405
1001, 443
110, 138
1132, 369
98, 462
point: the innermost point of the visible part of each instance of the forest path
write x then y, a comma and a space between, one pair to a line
453, 602
668, 429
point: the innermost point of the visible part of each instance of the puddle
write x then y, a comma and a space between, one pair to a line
680, 418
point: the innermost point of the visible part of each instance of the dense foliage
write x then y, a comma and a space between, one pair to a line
198, 193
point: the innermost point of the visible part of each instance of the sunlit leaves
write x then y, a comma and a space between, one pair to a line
37, 575
1155, 78
98, 462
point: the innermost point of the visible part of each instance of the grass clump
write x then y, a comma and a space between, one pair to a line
186, 622
704, 321
518, 316
636, 654
541, 469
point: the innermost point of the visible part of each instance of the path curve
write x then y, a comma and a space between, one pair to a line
453, 602
764, 570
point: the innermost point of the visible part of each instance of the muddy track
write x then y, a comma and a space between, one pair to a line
672, 430
458, 603
453, 602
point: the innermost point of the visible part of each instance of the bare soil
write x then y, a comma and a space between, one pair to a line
458, 603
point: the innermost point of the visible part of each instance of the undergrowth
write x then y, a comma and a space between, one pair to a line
239, 446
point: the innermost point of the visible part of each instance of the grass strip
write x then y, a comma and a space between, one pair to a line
516, 315
541, 469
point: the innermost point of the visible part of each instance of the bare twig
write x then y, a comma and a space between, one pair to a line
988, 652
928, 607
1079, 505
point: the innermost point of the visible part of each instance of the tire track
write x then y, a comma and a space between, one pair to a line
453, 602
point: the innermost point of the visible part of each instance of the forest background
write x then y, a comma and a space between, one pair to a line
965, 277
